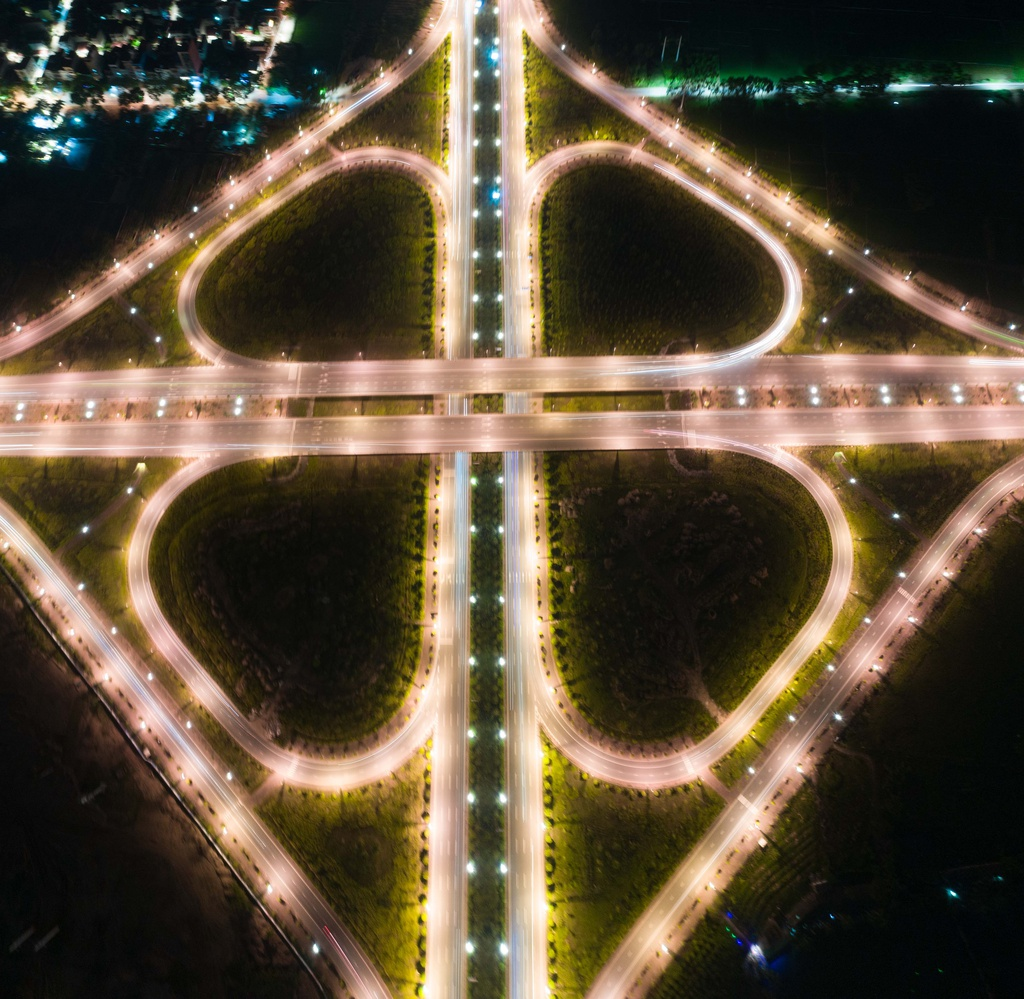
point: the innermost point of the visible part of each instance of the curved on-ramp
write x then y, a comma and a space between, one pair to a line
99, 641
429, 175
640, 950
353, 770
163, 245
774, 201
577, 741
566, 158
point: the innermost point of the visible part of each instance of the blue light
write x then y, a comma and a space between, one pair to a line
3, 157
495, 195
494, 55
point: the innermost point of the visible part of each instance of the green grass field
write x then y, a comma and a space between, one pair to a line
641, 402
366, 851
106, 338
909, 804
302, 590
672, 593
869, 321
560, 112
924, 482
343, 269
58, 496
631, 263
412, 117
608, 853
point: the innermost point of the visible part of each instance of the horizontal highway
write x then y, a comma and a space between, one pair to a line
490, 375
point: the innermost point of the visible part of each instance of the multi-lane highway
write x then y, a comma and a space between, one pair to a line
489, 432
490, 375
447, 893
785, 401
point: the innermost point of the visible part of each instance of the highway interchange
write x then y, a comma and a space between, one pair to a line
452, 433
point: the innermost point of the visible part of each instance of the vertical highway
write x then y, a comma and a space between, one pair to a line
527, 904
447, 892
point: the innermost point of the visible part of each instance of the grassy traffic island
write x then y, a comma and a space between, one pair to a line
560, 112
925, 482
109, 337
344, 269
411, 117
300, 588
632, 263
675, 582
900, 859
609, 850
366, 850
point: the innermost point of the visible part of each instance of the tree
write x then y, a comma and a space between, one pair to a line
182, 93
129, 95
84, 88
290, 71
210, 91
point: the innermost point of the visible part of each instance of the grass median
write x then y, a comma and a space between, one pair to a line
632, 263
487, 752
59, 496
343, 270
300, 588
861, 318
105, 339
924, 482
674, 586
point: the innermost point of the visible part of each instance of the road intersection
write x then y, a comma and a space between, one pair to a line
451, 434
